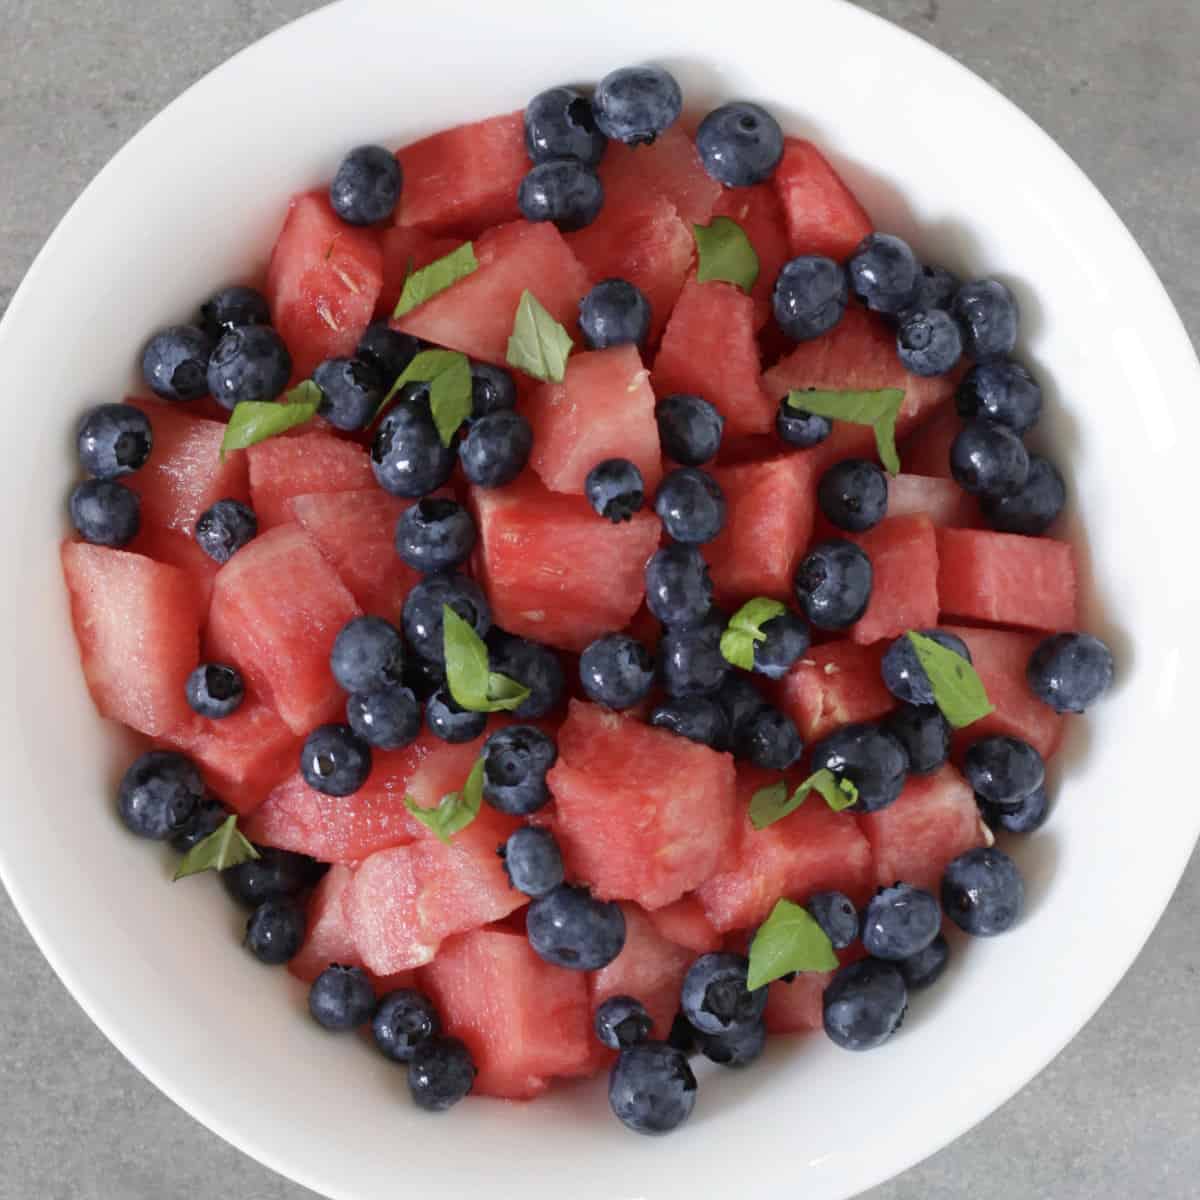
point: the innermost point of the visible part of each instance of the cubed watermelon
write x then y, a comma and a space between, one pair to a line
799, 1006
322, 283
406, 249
183, 551
476, 314
758, 211
684, 923
941, 500
277, 606
304, 465
823, 216
904, 582
604, 408
670, 166
834, 684
1007, 579
925, 449
552, 569
641, 814
328, 938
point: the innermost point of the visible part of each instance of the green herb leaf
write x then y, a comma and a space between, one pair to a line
456, 810
772, 804
472, 683
539, 345
505, 694
254, 421
440, 274
878, 409
745, 628
767, 800
448, 374
724, 254
788, 940
957, 689
220, 850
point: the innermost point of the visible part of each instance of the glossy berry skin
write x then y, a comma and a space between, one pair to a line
983, 892
742, 702
988, 314
1027, 816
105, 513
387, 350
715, 998
615, 489
902, 672
516, 760
275, 931
159, 794
207, 817
175, 363
215, 690
274, 875
689, 429
435, 534
621, 1022
388, 719
837, 917
787, 641
404, 1020
864, 1004
366, 188
496, 449
351, 392
989, 460
1003, 770
868, 756
407, 455
559, 123
113, 440
651, 1088
614, 313
853, 495
616, 670
533, 861
740, 144
697, 718
690, 661
690, 505
929, 342
334, 760
562, 190
440, 1074
535, 666
736, 1049
936, 287
800, 428
769, 740
809, 297
422, 614
927, 966
924, 733
569, 928
1000, 390
1070, 671
635, 104
884, 273
1032, 509
678, 587
447, 720
341, 998
223, 529
232, 308
833, 584
249, 364
492, 390
900, 921
367, 654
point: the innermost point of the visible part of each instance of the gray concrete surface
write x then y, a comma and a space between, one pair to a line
1117, 1115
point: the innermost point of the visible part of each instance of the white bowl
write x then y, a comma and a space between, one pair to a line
196, 199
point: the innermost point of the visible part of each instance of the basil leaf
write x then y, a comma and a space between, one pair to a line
539, 345
448, 374
224, 848
843, 794
737, 648
745, 628
957, 689
436, 277
254, 421
878, 409
472, 683
456, 810
724, 254
788, 940
767, 800
772, 804
505, 694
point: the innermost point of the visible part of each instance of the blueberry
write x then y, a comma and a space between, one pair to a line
423, 611
215, 690
159, 794
1070, 671
516, 760
407, 455
870, 758
900, 921
535, 666
738, 1048
275, 931
988, 314
435, 534
496, 449
207, 817
697, 718
927, 966
902, 672
689, 429
715, 998
341, 998
367, 654
366, 188
621, 1022
614, 313
769, 740
651, 1088
569, 928
404, 1020
1003, 770
833, 584
492, 390
113, 440
1032, 509
740, 144
690, 661
678, 587
447, 720
249, 364
232, 308
837, 917
351, 392
884, 273
864, 1004
935, 288
175, 363
741, 701
388, 350
533, 861
274, 875
225, 528
1028, 815
983, 892
334, 760
635, 104
387, 719
105, 513
809, 296
928, 341
853, 495
562, 190
923, 732
423, 677
787, 641
614, 489
440, 1074
1002, 391
690, 505
559, 123
989, 460
616, 670
798, 427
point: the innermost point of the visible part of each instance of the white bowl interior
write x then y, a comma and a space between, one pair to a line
195, 201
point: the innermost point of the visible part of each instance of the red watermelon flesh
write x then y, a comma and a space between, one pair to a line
322, 283
552, 569
462, 180
138, 627
926, 449
406, 249
941, 500
641, 814
834, 684
822, 214
758, 211
1007, 579
328, 938
476, 314
670, 166
904, 584
183, 551
684, 923
523, 1020
799, 1006
604, 408
277, 606
709, 349
310, 463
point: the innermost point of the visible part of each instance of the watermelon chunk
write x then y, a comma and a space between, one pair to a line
476, 314
641, 814
926, 449
684, 923
758, 211
904, 587
328, 938
941, 500
322, 283
406, 248
462, 180
552, 569
822, 214
670, 166
837, 683
1007, 579
799, 1006
304, 465
277, 606
183, 551
138, 627
604, 408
